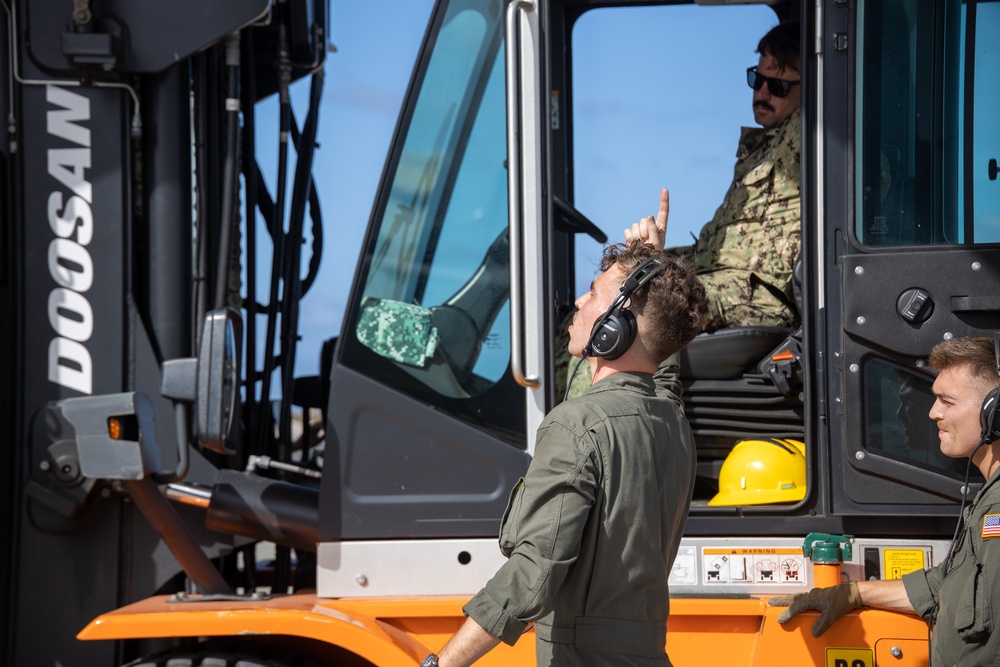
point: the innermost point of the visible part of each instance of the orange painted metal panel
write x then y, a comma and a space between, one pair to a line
386, 632
901, 652
391, 631
793, 643
717, 632
294, 615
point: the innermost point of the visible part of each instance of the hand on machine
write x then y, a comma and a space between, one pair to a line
832, 603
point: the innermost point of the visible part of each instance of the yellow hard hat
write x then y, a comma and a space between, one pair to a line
761, 472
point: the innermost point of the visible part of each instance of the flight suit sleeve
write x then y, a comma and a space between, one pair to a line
542, 534
668, 380
922, 588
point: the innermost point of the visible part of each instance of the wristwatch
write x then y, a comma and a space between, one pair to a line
430, 661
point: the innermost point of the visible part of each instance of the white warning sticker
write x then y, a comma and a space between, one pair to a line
685, 569
753, 566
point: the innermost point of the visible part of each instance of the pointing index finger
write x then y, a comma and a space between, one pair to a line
661, 217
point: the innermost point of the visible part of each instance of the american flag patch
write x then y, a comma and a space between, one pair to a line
991, 525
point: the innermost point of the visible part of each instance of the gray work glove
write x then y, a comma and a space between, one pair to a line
831, 603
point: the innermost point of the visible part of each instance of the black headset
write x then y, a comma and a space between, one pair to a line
615, 330
989, 416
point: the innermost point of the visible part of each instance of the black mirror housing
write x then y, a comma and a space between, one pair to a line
218, 378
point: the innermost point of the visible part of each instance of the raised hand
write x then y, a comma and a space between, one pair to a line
652, 230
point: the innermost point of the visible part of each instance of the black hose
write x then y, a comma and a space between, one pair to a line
301, 188
229, 173
202, 203
316, 215
277, 227
249, 97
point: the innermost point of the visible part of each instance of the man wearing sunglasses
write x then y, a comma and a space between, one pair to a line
745, 255
775, 81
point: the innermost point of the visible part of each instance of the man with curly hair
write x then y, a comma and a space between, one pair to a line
593, 528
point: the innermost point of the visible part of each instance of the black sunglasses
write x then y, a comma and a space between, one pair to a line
777, 87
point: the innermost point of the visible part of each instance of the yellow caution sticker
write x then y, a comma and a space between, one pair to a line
850, 657
902, 561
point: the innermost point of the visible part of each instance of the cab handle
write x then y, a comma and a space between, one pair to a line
517, 365
975, 303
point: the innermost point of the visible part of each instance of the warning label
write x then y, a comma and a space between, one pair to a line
849, 657
902, 561
684, 571
753, 566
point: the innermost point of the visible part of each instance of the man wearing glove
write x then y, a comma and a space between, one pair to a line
960, 606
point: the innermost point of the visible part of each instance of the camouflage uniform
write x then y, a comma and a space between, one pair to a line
746, 254
399, 331
580, 381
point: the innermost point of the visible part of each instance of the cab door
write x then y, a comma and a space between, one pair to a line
434, 394
919, 260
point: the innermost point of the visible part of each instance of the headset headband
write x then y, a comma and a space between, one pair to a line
636, 280
643, 273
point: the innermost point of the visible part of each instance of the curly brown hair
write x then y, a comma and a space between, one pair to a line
673, 305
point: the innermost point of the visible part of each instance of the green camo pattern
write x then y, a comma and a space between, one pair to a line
754, 238
399, 331
752, 242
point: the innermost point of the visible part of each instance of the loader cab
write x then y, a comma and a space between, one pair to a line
500, 189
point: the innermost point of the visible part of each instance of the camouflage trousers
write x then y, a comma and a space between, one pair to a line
737, 299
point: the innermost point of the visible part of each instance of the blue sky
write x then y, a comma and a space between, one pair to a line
660, 96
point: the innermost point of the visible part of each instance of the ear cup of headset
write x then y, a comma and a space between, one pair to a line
612, 334
989, 417
615, 330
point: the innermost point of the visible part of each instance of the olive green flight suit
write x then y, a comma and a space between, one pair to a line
592, 530
963, 598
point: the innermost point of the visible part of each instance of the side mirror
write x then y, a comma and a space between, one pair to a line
218, 378
211, 381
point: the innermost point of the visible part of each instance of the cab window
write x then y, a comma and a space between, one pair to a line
432, 319
897, 423
928, 125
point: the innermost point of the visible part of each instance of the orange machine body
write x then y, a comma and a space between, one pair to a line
392, 632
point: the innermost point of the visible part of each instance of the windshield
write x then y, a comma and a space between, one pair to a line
433, 316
